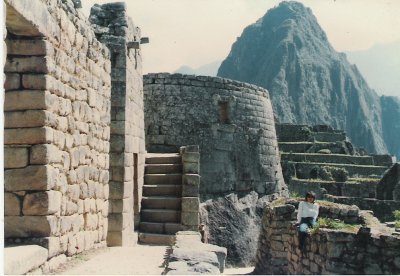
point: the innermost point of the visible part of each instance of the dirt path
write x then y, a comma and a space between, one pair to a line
138, 260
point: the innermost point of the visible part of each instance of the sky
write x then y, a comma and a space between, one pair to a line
198, 32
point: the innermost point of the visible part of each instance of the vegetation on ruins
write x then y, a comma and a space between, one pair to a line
397, 218
329, 173
335, 224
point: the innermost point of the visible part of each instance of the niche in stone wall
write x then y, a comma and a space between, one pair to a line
224, 112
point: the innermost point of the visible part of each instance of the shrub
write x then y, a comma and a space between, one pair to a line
397, 218
325, 174
333, 173
339, 174
314, 173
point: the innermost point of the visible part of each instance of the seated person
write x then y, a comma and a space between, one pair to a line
307, 217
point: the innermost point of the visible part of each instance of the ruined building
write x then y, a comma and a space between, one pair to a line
74, 136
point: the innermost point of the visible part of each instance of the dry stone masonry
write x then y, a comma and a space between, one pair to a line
322, 159
232, 122
73, 120
371, 250
57, 128
127, 148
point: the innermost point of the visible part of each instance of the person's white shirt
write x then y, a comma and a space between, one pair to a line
307, 209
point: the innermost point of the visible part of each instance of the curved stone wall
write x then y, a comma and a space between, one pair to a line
232, 122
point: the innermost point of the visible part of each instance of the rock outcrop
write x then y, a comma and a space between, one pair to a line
391, 123
287, 52
233, 222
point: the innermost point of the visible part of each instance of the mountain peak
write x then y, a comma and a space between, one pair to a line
288, 53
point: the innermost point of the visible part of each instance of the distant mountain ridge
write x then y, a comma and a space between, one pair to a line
380, 66
288, 53
209, 69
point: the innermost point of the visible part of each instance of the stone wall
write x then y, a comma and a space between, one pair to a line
232, 122
370, 250
382, 209
57, 128
127, 149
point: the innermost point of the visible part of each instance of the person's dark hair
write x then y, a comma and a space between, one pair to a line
310, 194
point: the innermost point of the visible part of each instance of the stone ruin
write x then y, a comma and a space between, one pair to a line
92, 157
323, 160
370, 248
74, 129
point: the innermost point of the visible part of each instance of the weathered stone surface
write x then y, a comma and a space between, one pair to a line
12, 205
42, 203
191, 179
14, 136
233, 222
234, 130
30, 226
190, 204
19, 260
30, 178
12, 82
15, 157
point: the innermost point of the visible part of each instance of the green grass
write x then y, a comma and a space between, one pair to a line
335, 224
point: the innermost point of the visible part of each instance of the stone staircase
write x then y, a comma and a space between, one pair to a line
160, 216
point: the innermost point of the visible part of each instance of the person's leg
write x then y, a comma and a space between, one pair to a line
303, 232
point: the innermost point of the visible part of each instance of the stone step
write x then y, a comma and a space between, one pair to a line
161, 202
162, 190
162, 168
328, 158
303, 169
163, 158
173, 178
160, 228
20, 259
311, 147
329, 137
160, 215
159, 239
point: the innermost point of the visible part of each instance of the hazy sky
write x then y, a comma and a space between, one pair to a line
197, 32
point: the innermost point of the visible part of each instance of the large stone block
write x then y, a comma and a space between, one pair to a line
15, 157
121, 205
29, 118
190, 204
30, 99
191, 157
190, 191
42, 203
12, 205
31, 178
120, 190
45, 154
30, 226
119, 221
190, 218
191, 179
19, 260
30, 64
122, 238
191, 168
16, 136
12, 82
37, 47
